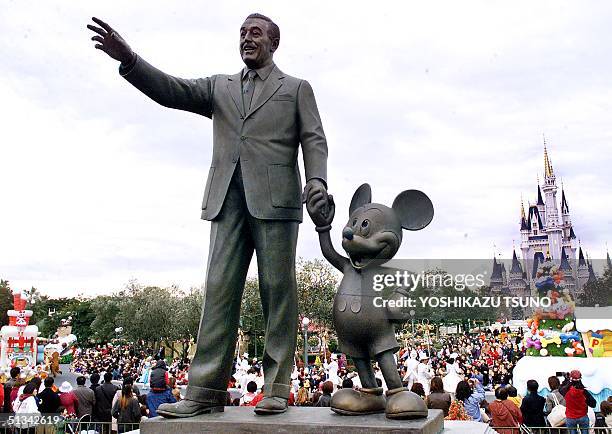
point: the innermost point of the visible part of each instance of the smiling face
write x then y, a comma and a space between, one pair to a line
256, 46
372, 234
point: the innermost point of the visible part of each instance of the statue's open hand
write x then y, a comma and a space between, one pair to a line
111, 42
321, 211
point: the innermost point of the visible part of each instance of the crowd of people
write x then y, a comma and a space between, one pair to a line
125, 361
451, 373
103, 404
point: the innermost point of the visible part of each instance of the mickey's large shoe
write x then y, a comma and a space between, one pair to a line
403, 404
188, 408
271, 405
350, 402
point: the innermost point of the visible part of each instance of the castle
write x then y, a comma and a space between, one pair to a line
546, 234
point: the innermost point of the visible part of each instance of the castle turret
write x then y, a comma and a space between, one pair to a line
497, 278
554, 230
569, 281
516, 281
582, 273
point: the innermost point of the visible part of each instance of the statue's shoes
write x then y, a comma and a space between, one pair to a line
403, 404
271, 405
187, 408
352, 402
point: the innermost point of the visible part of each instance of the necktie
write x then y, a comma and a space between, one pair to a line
248, 88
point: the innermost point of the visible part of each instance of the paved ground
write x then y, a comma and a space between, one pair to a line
66, 376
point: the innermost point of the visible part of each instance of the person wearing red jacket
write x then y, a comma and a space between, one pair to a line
577, 401
504, 413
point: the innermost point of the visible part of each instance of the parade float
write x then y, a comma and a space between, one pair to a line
61, 345
563, 337
18, 339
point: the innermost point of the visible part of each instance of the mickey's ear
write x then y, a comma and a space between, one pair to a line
362, 196
414, 209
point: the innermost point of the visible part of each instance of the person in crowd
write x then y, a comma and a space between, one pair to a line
68, 399
454, 374
606, 411
325, 399
347, 383
532, 406
144, 407
160, 391
553, 385
159, 376
471, 393
505, 415
250, 394
104, 401
424, 372
17, 387
37, 381
94, 379
8, 387
48, 399
127, 410
25, 406
577, 401
302, 396
438, 398
85, 396
418, 389
176, 392
260, 396
513, 396
2, 397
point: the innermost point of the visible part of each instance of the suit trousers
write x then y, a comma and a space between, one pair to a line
234, 236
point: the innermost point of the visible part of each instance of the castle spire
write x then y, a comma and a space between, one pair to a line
564, 206
548, 170
540, 200
516, 265
581, 261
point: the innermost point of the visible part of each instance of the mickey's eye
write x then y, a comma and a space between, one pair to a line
365, 228
354, 222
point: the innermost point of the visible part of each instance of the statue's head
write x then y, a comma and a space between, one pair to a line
373, 233
259, 39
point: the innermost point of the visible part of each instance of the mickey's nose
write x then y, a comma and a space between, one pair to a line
347, 233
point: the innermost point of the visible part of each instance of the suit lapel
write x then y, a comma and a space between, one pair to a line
271, 85
235, 90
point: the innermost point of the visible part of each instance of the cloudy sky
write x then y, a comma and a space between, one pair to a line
99, 185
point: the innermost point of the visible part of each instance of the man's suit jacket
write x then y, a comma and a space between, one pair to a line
265, 139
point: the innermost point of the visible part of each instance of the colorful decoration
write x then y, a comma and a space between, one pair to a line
596, 346
18, 339
552, 329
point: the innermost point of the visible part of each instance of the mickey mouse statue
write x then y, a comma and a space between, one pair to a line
365, 330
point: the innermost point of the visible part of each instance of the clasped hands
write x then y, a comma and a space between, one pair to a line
319, 204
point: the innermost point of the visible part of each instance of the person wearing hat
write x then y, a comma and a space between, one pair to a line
332, 370
424, 372
67, 398
577, 401
411, 369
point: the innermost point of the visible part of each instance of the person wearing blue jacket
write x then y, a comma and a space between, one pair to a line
471, 393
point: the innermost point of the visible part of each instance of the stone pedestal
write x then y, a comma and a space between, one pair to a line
297, 420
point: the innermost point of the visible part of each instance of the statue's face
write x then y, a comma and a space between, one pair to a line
256, 46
